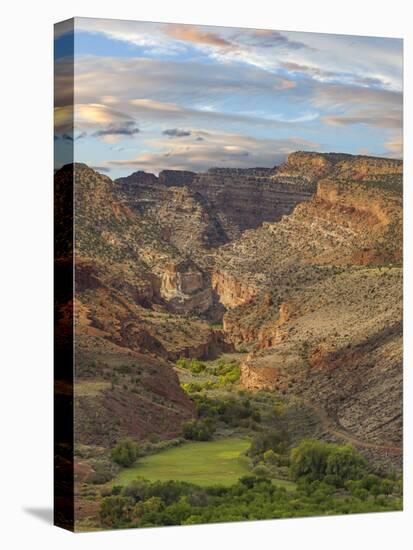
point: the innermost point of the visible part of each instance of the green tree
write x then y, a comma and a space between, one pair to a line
345, 463
309, 460
125, 452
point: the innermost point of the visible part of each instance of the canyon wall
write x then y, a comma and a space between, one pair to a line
232, 199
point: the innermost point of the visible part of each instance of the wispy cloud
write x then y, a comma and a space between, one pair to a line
129, 129
197, 35
176, 132
214, 149
165, 82
395, 147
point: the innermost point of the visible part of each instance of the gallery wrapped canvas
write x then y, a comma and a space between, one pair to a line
228, 274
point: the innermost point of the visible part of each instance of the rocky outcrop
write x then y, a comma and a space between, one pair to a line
312, 167
137, 180
186, 288
232, 292
176, 178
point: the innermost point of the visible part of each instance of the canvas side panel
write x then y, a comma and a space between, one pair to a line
63, 275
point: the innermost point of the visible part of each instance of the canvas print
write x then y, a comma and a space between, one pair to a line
228, 274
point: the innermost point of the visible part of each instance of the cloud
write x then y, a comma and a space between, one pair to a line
329, 76
267, 38
154, 105
154, 83
176, 132
157, 111
379, 59
107, 123
370, 117
146, 35
395, 147
95, 114
347, 105
104, 169
195, 35
70, 137
129, 129
367, 61
219, 149
171, 39
327, 95
342, 92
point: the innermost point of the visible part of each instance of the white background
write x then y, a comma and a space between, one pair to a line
26, 273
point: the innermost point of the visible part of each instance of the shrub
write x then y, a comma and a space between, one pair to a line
125, 452
252, 497
192, 365
271, 457
198, 430
115, 510
116, 490
152, 505
265, 441
137, 489
261, 470
104, 470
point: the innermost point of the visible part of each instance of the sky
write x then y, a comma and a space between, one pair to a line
154, 96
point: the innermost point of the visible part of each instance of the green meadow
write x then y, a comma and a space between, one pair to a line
202, 462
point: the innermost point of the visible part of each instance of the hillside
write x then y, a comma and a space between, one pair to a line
317, 298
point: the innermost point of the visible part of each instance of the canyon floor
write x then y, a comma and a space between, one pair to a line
275, 293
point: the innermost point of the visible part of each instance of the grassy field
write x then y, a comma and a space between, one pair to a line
203, 463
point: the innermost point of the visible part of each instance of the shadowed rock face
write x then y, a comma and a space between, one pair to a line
232, 199
245, 199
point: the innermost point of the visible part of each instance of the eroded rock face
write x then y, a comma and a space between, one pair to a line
232, 199
232, 292
244, 199
313, 167
186, 288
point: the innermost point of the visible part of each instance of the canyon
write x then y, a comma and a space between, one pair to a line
297, 266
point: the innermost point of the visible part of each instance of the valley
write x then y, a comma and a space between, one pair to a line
223, 319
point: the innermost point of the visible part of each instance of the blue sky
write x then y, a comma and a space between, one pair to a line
150, 96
